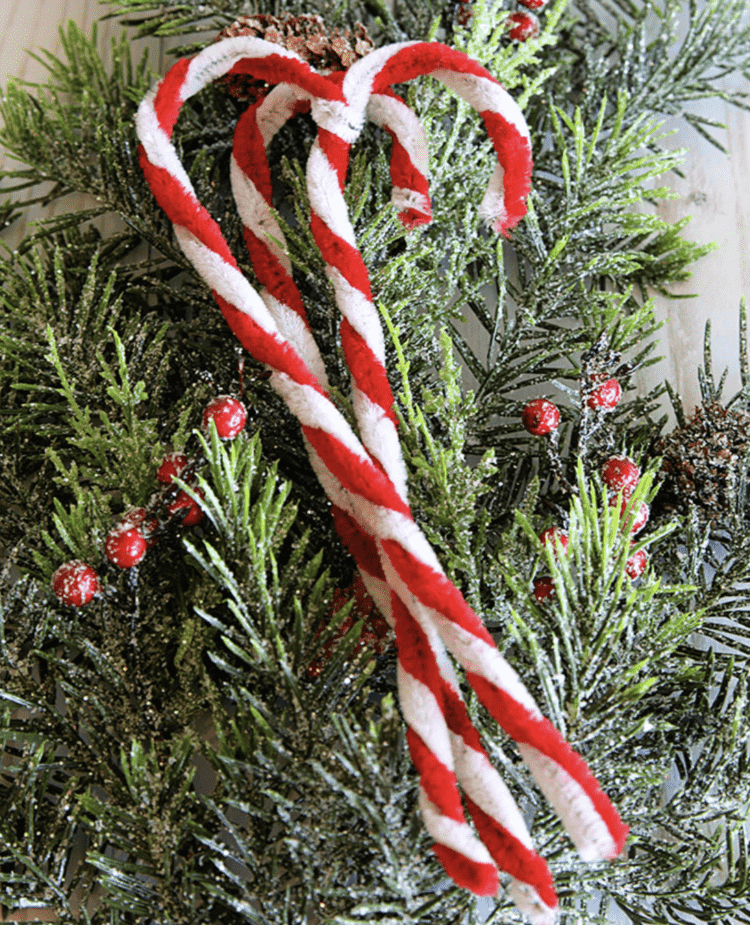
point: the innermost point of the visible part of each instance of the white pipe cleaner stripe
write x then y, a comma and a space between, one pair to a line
391, 113
448, 832
485, 95
570, 801
225, 279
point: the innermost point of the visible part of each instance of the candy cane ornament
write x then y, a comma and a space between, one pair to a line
589, 817
500, 822
371, 501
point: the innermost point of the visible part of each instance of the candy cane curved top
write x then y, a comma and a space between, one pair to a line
503, 204
251, 185
358, 486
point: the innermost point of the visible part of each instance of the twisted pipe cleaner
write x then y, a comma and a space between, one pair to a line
563, 776
491, 805
369, 509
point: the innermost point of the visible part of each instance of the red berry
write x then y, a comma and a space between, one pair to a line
228, 414
183, 501
75, 583
522, 26
532, 4
641, 515
125, 546
554, 538
171, 465
148, 525
464, 13
540, 417
605, 396
544, 589
621, 474
636, 564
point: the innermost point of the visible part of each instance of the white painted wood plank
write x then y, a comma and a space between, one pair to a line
715, 195
27, 27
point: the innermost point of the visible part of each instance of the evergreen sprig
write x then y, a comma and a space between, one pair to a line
209, 741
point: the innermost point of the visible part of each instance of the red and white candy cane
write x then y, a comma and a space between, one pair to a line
563, 776
359, 488
491, 805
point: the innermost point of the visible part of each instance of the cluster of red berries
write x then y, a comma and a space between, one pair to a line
541, 416
375, 633
76, 583
620, 474
522, 25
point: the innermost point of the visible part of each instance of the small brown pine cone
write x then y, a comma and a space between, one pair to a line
701, 461
305, 35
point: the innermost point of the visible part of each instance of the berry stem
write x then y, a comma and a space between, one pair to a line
552, 444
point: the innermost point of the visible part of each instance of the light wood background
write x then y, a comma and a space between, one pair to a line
715, 192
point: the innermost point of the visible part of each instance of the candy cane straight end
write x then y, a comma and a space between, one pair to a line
504, 203
619, 838
481, 879
413, 218
528, 901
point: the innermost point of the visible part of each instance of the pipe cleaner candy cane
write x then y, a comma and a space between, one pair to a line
562, 775
370, 507
500, 822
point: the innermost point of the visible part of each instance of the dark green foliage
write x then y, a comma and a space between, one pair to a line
169, 754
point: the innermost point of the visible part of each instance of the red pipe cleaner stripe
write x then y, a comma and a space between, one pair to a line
403, 171
417, 60
279, 69
357, 475
542, 735
363, 548
268, 348
481, 879
340, 254
273, 276
367, 371
405, 175
458, 719
336, 151
514, 152
512, 856
438, 782
182, 208
435, 590
414, 650
168, 100
250, 152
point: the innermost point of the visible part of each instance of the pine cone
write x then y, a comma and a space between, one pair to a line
306, 36
701, 461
